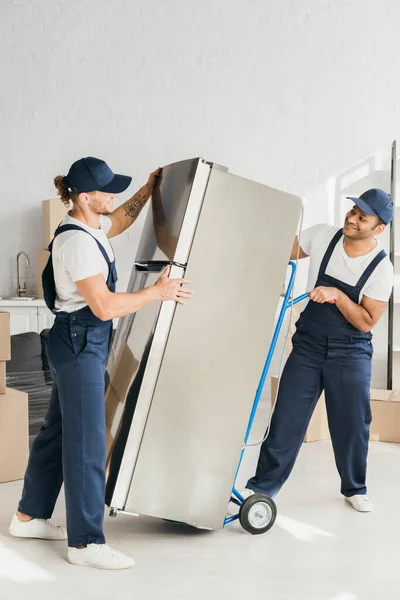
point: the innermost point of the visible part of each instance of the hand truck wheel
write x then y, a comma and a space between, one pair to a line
257, 514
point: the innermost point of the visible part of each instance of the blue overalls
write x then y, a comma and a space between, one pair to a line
71, 446
328, 354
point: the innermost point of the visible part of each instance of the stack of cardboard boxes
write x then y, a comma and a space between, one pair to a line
14, 434
53, 212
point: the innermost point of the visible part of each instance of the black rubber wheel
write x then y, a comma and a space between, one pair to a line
113, 512
257, 514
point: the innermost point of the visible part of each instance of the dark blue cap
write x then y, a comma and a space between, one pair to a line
92, 174
375, 202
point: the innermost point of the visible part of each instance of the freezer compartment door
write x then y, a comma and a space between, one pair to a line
132, 372
173, 214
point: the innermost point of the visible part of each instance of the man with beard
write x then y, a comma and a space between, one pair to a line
79, 286
350, 281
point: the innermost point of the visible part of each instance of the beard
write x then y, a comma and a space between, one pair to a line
103, 211
356, 234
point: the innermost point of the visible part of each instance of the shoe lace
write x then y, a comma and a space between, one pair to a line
361, 499
108, 550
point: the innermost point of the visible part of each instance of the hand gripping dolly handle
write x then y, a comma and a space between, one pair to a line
304, 297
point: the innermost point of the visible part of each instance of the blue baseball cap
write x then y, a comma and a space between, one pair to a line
92, 174
375, 202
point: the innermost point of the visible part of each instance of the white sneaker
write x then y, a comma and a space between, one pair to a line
37, 528
246, 493
99, 556
233, 508
361, 502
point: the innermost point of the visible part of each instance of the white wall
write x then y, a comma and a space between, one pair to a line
292, 94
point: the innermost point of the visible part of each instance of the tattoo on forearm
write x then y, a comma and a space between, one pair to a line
134, 205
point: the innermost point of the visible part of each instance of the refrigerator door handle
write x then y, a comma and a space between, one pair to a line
153, 267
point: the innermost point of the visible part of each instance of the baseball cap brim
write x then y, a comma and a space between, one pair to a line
363, 205
118, 184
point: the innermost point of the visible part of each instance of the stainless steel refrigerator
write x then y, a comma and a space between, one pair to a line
181, 379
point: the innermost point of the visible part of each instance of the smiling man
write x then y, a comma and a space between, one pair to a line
332, 348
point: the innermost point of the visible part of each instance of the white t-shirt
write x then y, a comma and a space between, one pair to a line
315, 241
77, 256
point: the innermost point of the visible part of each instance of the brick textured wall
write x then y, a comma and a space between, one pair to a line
293, 94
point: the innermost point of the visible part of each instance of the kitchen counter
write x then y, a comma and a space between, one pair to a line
38, 302
27, 315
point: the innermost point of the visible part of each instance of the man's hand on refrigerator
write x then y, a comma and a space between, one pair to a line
153, 178
126, 214
171, 289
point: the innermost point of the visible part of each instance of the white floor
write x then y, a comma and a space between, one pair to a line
319, 549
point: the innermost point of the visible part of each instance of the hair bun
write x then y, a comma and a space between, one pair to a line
61, 183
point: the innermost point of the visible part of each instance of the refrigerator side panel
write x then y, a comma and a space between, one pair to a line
215, 353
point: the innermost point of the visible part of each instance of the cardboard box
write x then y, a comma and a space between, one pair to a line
385, 406
113, 403
53, 212
121, 377
2, 377
5, 342
14, 435
110, 439
42, 258
123, 371
318, 427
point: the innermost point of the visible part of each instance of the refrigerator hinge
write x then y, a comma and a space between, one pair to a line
215, 166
